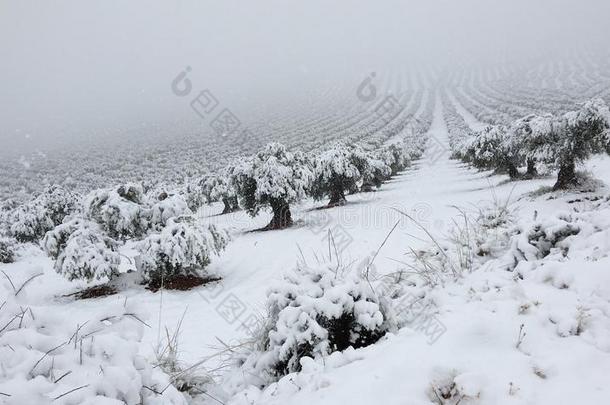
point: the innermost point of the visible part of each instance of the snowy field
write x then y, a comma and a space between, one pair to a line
295, 203
488, 336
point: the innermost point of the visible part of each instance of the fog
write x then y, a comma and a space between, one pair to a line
81, 70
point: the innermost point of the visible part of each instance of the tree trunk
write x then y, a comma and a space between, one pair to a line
396, 168
500, 169
531, 169
513, 173
337, 197
235, 204
282, 218
230, 204
566, 176
367, 187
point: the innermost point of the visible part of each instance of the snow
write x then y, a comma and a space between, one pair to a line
539, 334
472, 121
48, 357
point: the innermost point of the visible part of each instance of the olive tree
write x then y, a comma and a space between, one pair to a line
275, 177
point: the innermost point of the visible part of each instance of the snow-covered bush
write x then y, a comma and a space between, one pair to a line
82, 251
54, 241
50, 357
416, 145
460, 142
88, 255
543, 238
183, 247
274, 177
490, 229
548, 235
193, 195
374, 173
314, 312
6, 209
165, 207
395, 156
59, 202
335, 173
30, 221
121, 211
7, 250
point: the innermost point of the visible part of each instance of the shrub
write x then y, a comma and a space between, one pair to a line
121, 211
416, 144
183, 247
549, 236
82, 251
374, 173
166, 207
6, 209
395, 156
193, 195
7, 250
314, 312
274, 177
30, 222
54, 241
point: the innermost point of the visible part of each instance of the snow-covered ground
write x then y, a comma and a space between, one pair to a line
472, 121
537, 335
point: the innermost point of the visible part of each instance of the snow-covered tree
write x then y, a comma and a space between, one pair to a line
336, 171
566, 140
30, 221
122, 211
218, 187
313, 312
183, 247
581, 133
274, 177
492, 148
82, 251
532, 133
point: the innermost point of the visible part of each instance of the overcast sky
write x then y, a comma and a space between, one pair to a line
103, 64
